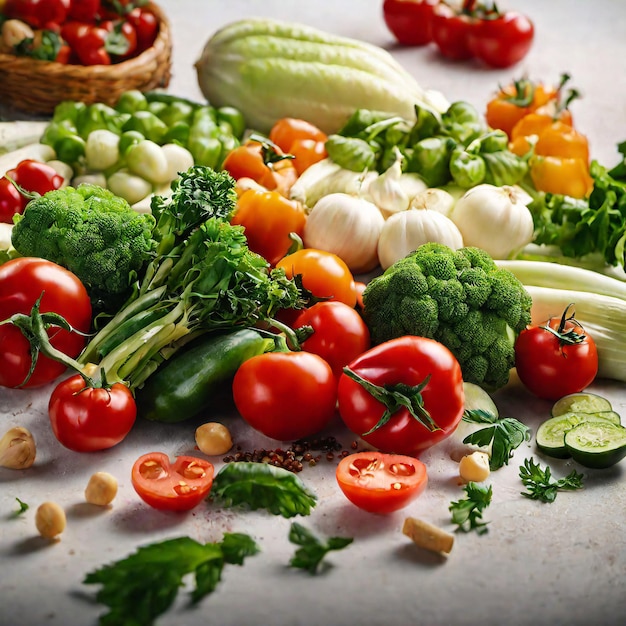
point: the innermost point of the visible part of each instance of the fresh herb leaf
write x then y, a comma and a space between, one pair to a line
467, 513
312, 550
144, 585
262, 486
503, 434
540, 485
23, 507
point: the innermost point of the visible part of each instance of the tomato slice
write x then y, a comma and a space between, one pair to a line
381, 483
178, 486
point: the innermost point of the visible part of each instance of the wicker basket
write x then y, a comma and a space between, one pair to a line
36, 87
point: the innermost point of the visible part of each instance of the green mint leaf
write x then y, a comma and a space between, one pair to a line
504, 435
144, 585
540, 485
312, 550
467, 512
262, 486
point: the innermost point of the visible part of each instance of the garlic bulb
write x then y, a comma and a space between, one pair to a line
405, 231
386, 191
347, 226
434, 198
17, 448
495, 219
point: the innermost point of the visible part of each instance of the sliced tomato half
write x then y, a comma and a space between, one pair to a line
178, 486
381, 483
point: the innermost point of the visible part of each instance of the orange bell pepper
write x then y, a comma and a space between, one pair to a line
567, 176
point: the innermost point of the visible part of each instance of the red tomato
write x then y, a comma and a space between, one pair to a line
323, 273
22, 282
146, 26
502, 41
360, 288
450, 30
37, 13
122, 40
178, 486
10, 201
422, 370
269, 219
381, 483
554, 363
88, 419
36, 177
410, 21
84, 10
285, 395
340, 334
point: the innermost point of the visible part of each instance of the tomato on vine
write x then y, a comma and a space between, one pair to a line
556, 358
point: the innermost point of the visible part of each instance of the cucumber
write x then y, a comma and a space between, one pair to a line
550, 436
582, 401
477, 398
186, 384
596, 444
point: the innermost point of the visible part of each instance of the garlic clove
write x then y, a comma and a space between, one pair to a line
17, 448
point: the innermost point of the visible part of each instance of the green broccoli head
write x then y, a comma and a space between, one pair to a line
458, 297
93, 233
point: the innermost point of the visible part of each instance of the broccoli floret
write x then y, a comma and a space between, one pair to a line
93, 233
458, 297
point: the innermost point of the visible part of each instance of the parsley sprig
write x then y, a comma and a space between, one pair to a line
467, 512
540, 485
144, 585
503, 435
312, 550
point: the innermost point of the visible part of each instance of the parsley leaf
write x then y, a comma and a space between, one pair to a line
312, 550
503, 434
144, 585
262, 486
540, 485
467, 513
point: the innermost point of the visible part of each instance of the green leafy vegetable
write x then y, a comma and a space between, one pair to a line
312, 550
503, 435
23, 507
541, 486
144, 585
467, 512
262, 486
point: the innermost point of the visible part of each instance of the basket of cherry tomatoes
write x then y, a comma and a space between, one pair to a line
83, 50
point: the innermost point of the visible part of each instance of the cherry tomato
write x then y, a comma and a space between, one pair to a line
410, 21
556, 358
381, 483
37, 13
88, 419
122, 40
501, 41
22, 282
288, 130
425, 372
307, 152
36, 177
84, 10
10, 201
450, 30
269, 218
178, 486
265, 164
340, 334
285, 395
323, 273
146, 26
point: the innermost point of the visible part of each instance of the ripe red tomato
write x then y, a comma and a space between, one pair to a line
38, 13
502, 41
324, 274
178, 486
407, 371
556, 358
285, 395
22, 282
146, 26
35, 176
88, 419
450, 31
340, 334
410, 21
10, 201
381, 483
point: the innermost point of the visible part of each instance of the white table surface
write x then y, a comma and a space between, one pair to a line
561, 564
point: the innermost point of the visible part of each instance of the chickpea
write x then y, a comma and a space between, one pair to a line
474, 467
50, 520
213, 439
101, 489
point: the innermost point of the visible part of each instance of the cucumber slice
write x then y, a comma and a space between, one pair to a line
550, 436
596, 444
582, 401
477, 398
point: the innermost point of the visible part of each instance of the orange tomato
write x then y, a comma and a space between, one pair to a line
567, 176
305, 141
323, 273
268, 219
561, 140
307, 152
